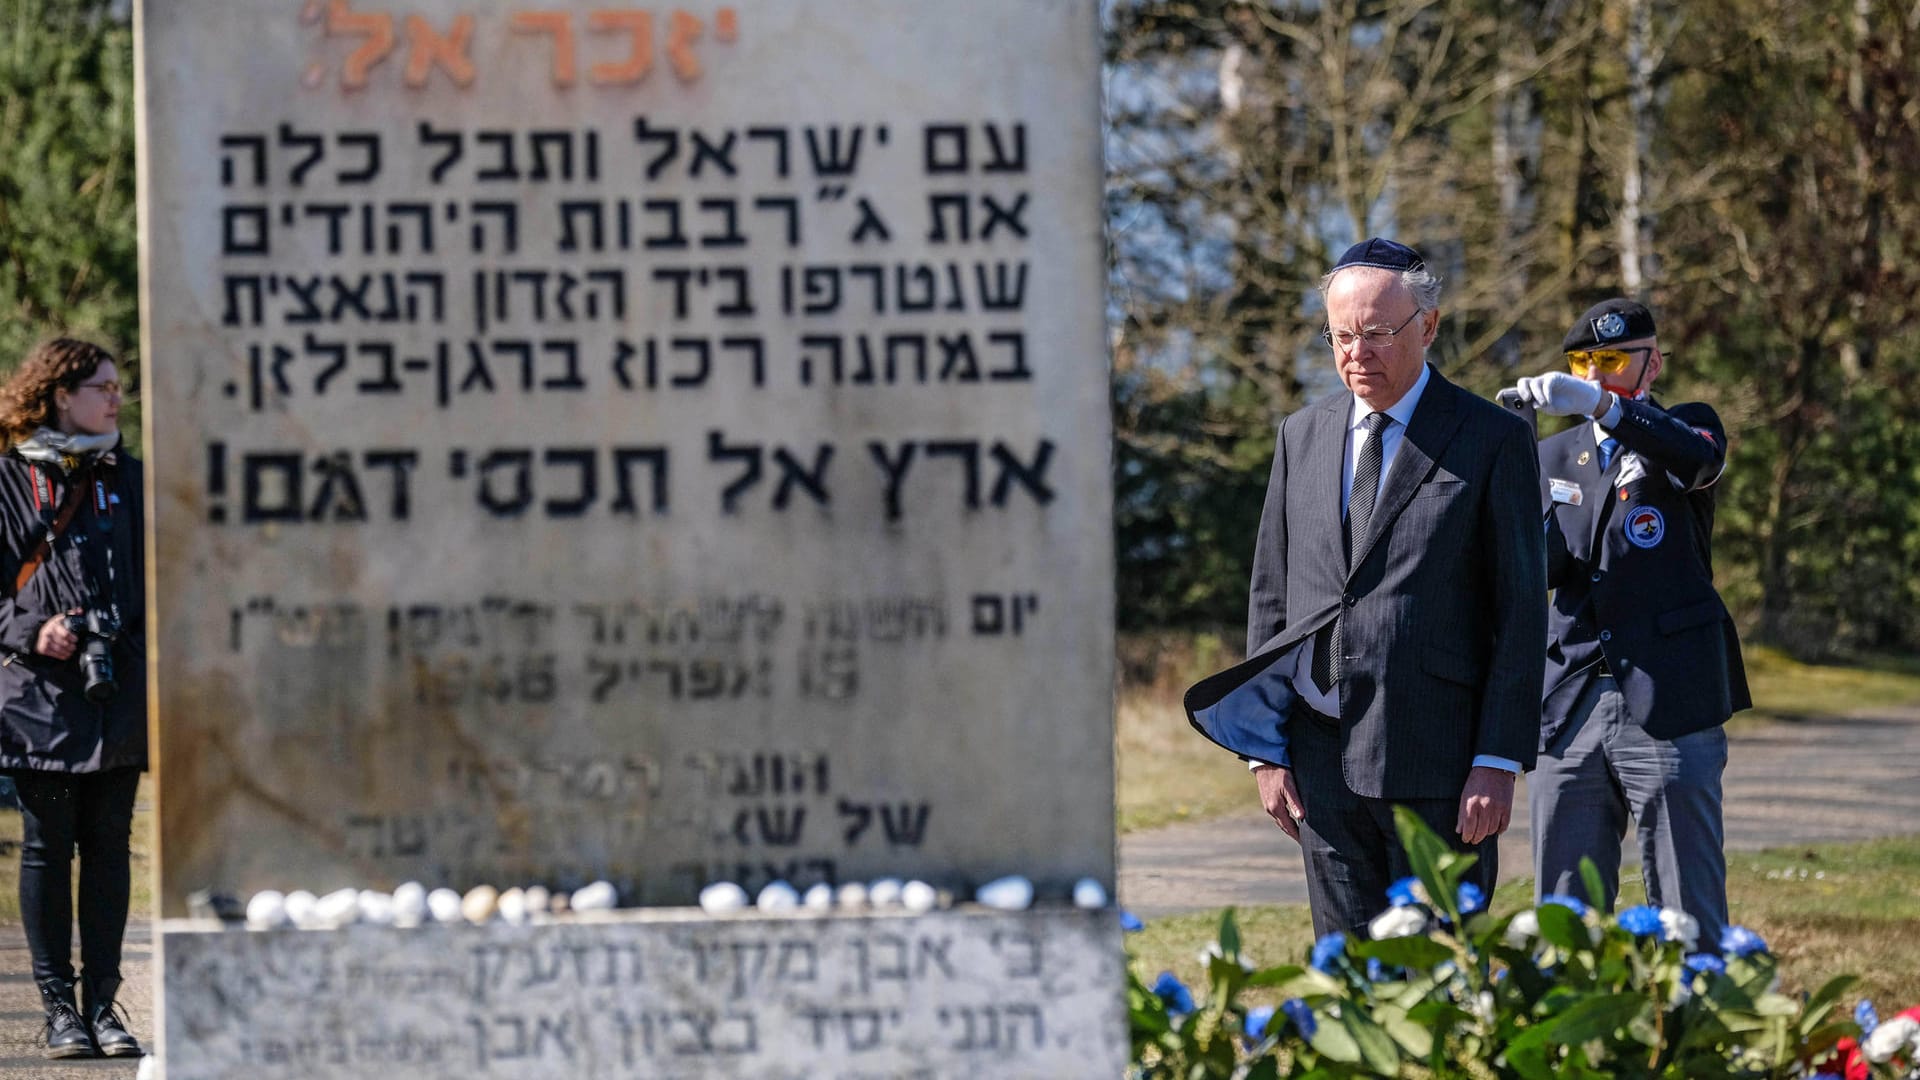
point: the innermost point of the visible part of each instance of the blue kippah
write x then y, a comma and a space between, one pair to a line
1382, 253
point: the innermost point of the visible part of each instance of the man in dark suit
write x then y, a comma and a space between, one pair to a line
1397, 608
1643, 666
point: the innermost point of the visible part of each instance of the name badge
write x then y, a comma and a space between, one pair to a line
1564, 491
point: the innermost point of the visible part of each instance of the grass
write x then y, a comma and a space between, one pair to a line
1824, 910
1789, 690
141, 905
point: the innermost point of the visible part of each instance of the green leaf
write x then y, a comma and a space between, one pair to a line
1376, 1046
1562, 927
1419, 953
1596, 889
1334, 1041
1599, 1016
1229, 934
1822, 1001
1415, 1039
1429, 857
1531, 1054
1295, 981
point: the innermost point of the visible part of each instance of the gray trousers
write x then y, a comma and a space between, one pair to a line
1602, 767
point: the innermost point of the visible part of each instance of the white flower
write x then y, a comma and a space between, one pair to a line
1681, 927
1890, 1037
1483, 1007
1213, 949
1398, 922
1682, 993
1523, 929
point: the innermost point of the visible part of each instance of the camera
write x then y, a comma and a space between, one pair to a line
97, 631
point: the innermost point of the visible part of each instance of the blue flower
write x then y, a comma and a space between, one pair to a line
1701, 963
1329, 948
1130, 922
1302, 1016
1404, 893
1257, 1020
1170, 990
1377, 971
1740, 941
1471, 898
1574, 903
1865, 1015
1641, 921
1826, 1076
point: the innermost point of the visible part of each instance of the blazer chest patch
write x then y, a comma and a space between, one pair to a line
1644, 526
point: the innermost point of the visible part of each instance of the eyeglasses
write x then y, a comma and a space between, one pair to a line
111, 389
1378, 337
1607, 361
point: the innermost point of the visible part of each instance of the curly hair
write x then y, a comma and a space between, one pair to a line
26, 400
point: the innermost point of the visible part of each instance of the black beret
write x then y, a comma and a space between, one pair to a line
1607, 322
1382, 253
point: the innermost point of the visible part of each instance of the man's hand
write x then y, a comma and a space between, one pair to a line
1558, 393
55, 639
1282, 798
1486, 806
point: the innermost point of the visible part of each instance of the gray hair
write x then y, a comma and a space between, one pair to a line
1419, 281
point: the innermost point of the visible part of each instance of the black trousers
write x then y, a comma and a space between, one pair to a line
1350, 843
91, 813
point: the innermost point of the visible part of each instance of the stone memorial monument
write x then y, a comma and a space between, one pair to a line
664, 444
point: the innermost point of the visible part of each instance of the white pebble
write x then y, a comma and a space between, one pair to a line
777, 896
513, 906
885, 892
266, 910
410, 904
818, 898
301, 912
376, 907
1089, 894
1010, 893
338, 908
918, 896
537, 900
852, 896
478, 906
722, 897
599, 896
444, 905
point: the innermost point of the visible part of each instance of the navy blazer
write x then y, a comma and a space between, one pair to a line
1443, 607
1632, 571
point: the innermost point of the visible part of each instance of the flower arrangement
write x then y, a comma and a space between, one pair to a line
1443, 988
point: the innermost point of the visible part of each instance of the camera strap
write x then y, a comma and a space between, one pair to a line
42, 500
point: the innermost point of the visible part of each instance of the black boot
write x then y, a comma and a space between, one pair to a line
66, 1034
108, 1020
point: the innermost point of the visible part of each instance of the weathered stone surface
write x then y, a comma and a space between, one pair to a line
664, 994
659, 443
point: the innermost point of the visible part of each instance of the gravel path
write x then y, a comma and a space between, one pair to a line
1824, 779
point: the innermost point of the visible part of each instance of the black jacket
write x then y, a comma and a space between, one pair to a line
1442, 607
1632, 571
46, 723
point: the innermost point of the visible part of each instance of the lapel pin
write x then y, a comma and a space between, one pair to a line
1583, 458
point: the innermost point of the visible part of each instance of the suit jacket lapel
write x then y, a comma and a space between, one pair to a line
1433, 424
1327, 462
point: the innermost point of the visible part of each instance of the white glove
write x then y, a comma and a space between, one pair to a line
1558, 393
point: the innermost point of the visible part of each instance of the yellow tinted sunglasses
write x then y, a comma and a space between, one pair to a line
1606, 361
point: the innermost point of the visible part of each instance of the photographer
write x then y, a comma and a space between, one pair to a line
73, 699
